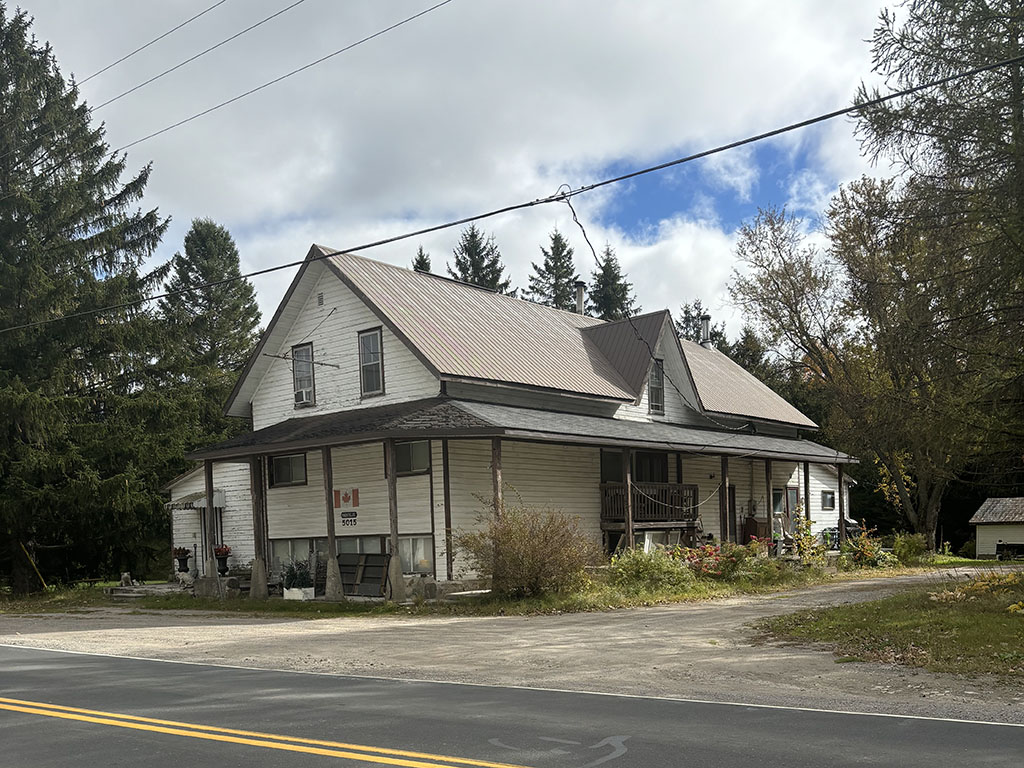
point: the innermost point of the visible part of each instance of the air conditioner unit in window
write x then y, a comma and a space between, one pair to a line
304, 397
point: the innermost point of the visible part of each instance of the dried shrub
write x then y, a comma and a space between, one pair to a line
528, 552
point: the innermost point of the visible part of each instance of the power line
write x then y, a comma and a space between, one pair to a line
558, 197
151, 42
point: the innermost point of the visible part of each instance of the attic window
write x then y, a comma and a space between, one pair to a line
656, 388
302, 375
371, 363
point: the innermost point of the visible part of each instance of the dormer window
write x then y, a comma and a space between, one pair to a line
371, 363
302, 375
656, 388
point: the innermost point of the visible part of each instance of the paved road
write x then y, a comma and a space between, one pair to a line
59, 709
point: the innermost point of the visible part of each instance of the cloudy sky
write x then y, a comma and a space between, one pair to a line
474, 106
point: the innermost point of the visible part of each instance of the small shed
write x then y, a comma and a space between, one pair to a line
999, 521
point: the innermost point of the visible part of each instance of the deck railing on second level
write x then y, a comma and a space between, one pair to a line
652, 502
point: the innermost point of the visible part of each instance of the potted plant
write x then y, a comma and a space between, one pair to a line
182, 554
221, 553
298, 581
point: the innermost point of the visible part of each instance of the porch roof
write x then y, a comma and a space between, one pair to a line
442, 417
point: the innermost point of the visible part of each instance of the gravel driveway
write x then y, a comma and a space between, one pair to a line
700, 651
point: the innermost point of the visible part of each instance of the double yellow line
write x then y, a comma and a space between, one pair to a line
334, 749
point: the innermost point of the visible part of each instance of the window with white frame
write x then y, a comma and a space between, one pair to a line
286, 470
302, 375
371, 363
656, 388
412, 458
416, 554
828, 499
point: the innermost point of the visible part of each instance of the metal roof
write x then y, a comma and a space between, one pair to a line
999, 511
725, 387
629, 345
438, 417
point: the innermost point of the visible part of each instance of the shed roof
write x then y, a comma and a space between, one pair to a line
1010, 510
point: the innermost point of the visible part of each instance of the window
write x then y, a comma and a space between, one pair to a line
416, 554
371, 363
611, 466
792, 499
828, 499
287, 470
360, 545
302, 375
656, 388
412, 458
284, 551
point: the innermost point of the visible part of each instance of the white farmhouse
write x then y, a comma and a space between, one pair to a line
391, 407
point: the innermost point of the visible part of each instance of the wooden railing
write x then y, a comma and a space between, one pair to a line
652, 502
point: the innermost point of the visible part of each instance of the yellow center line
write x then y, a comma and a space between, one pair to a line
370, 754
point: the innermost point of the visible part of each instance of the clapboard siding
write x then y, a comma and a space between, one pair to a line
233, 480
989, 534
333, 329
469, 462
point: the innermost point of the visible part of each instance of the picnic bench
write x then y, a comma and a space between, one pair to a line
364, 575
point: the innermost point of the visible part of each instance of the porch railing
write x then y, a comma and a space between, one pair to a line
652, 503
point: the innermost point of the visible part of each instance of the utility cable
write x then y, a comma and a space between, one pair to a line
558, 197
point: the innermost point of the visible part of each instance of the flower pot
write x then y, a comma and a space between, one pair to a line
298, 593
182, 564
222, 564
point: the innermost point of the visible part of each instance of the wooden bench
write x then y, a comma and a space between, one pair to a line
364, 575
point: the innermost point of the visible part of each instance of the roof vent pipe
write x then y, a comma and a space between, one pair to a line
705, 331
580, 285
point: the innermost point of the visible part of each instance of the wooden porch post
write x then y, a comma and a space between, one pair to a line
807, 490
333, 589
768, 501
499, 502
395, 568
723, 502
627, 479
842, 506
449, 542
258, 584
211, 523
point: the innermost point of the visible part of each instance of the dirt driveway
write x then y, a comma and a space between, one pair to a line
701, 651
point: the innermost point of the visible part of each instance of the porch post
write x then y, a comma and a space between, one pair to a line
499, 502
768, 500
449, 542
723, 502
395, 567
807, 490
842, 506
211, 523
627, 479
258, 584
333, 589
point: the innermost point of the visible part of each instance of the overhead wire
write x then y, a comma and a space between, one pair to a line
559, 196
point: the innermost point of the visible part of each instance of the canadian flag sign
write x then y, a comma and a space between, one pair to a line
347, 498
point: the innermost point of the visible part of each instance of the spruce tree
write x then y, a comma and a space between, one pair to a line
478, 261
81, 440
688, 326
422, 260
554, 282
611, 295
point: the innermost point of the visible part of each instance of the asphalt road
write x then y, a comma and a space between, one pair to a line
61, 709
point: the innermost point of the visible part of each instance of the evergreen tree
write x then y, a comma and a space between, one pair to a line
478, 261
81, 441
554, 282
611, 296
688, 326
422, 260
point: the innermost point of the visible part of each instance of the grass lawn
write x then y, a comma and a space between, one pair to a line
958, 627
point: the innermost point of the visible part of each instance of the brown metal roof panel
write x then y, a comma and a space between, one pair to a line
629, 345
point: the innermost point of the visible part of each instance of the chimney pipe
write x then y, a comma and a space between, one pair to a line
580, 285
705, 331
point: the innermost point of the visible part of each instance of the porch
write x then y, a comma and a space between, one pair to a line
658, 505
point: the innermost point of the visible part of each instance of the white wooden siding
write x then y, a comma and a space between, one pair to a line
990, 533
334, 339
233, 480
678, 409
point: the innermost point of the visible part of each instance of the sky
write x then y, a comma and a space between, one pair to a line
477, 105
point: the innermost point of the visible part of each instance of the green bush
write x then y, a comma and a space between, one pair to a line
910, 548
527, 552
297, 575
637, 571
808, 548
865, 551
969, 549
717, 561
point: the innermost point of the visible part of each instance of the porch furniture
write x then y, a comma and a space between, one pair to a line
365, 575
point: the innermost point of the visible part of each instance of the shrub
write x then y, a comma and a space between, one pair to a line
527, 552
297, 575
808, 548
864, 551
969, 549
719, 561
637, 571
910, 548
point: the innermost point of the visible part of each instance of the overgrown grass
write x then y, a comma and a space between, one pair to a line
54, 600
966, 628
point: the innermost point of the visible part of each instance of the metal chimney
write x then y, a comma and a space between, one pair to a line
705, 331
580, 285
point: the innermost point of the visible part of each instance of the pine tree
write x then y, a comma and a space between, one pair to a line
422, 260
80, 443
478, 261
554, 282
611, 296
688, 326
